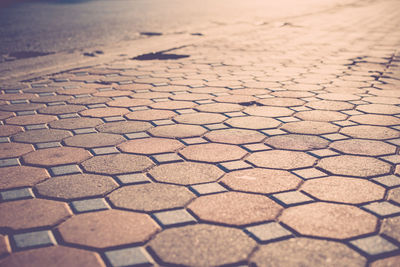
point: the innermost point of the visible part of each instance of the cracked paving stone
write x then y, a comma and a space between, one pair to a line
265, 111
93, 229
259, 180
19, 176
150, 146
123, 127
297, 142
370, 132
213, 152
329, 220
235, 208
8, 130
76, 186
220, 107
202, 245
321, 115
32, 213
41, 136
11, 150
56, 156
117, 164
235, 136
253, 122
186, 173
281, 159
94, 140
75, 123
310, 127
151, 197
363, 147
354, 166
306, 252
378, 120
178, 131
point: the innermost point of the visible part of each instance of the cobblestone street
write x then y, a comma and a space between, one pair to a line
277, 146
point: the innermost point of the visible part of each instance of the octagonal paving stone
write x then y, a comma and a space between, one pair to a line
344, 190
292, 94
94, 140
191, 96
235, 136
56, 156
76, 186
379, 120
121, 127
4, 246
31, 119
386, 262
108, 228
129, 102
151, 197
234, 208
202, 245
363, 147
53, 256
32, 213
21, 107
253, 122
330, 105
150, 115
61, 109
178, 131
19, 176
75, 123
306, 252
200, 118
281, 102
382, 100
265, 111
11, 150
219, 107
88, 100
297, 142
338, 96
152, 145
104, 112
8, 130
394, 194
391, 227
171, 105
281, 159
329, 220
117, 164
5, 115
370, 132
235, 99
360, 166
262, 181
213, 152
186, 173
310, 127
39, 136
379, 109
321, 115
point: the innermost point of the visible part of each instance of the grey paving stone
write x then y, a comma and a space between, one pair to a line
268, 231
216, 126
344, 123
167, 158
14, 194
374, 245
194, 140
34, 239
395, 159
134, 178
35, 127
162, 122
137, 135
209, 188
84, 131
68, 116
335, 136
56, 104
9, 162
185, 111
104, 150
87, 205
288, 119
388, 180
256, 147
114, 118
320, 153
382, 208
66, 169
26, 112
4, 140
292, 198
174, 217
47, 145
200, 102
273, 132
310, 173
138, 108
97, 106
234, 165
235, 114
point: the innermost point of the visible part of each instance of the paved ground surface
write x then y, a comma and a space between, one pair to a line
273, 147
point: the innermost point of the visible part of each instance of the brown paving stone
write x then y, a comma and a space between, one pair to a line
104, 112
235, 208
330, 105
343, 189
151, 197
379, 120
178, 131
38, 136
202, 245
53, 256
17, 96
76, 186
75, 123
329, 220
213, 152
253, 122
117, 164
129, 102
94, 140
387, 262
8, 130
220, 107
61, 109
150, 146
4, 246
5, 115
281, 159
32, 213
386, 92
268, 111
11, 150
370, 132
150, 115
379, 109
281, 102
186, 173
297, 142
391, 227
31, 119
310, 127
209, 90
88, 100
93, 229
259, 180
173, 105
21, 107
321, 115
235, 99
235, 136
354, 166
18, 176
200, 118
394, 194
339, 97
122, 127
382, 100
306, 252
363, 147
56, 156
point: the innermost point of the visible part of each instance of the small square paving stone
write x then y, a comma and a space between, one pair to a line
14, 194
234, 165
84, 131
310, 173
235, 114
374, 245
334, 136
138, 108
209, 188
160, 99
288, 119
204, 102
35, 127
273, 132
162, 122
320, 153
66, 169
268, 232
114, 118
256, 147
185, 111
382, 208
301, 108
137, 135
345, 123
216, 126
104, 150
194, 140
47, 145
4, 140
97, 106
352, 112
134, 178
9, 162
395, 142
34, 239
388, 180
292, 198
68, 116
395, 159
56, 104
167, 158
27, 112
135, 256
87, 205
174, 217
